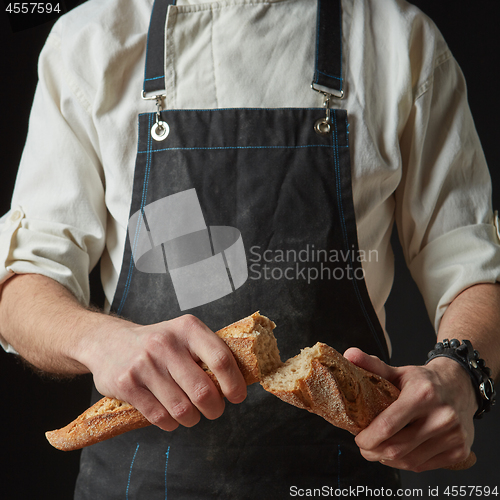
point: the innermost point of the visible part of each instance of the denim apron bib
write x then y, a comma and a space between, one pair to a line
234, 211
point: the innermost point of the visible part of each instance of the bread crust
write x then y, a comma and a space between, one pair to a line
319, 380
334, 388
110, 417
107, 418
254, 347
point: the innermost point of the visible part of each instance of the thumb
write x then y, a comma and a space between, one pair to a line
372, 364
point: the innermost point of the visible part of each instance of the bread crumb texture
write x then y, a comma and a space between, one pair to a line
322, 381
318, 379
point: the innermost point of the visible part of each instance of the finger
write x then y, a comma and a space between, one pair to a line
400, 445
435, 453
441, 421
210, 349
453, 459
449, 457
154, 411
371, 364
197, 386
411, 437
174, 400
391, 421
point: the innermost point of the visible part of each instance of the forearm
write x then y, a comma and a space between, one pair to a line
431, 424
153, 367
475, 315
46, 325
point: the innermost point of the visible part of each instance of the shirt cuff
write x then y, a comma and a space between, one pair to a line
31, 246
9, 224
455, 261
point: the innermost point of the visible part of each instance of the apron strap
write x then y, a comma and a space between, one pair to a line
328, 66
154, 71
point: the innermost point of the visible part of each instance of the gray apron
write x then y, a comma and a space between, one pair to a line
234, 211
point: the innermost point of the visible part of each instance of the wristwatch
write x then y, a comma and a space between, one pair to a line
464, 354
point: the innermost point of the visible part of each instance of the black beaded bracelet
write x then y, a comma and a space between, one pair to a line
469, 359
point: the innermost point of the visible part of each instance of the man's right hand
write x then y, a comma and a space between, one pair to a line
156, 369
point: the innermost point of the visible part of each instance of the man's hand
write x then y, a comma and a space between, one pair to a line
155, 368
430, 426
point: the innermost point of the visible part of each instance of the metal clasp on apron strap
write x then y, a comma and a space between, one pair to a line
328, 79
154, 72
322, 126
160, 129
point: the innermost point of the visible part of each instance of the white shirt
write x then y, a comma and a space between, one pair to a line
416, 157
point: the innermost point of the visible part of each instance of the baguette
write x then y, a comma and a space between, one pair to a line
319, 380
107, 418
254, 347
322, 381
252, 342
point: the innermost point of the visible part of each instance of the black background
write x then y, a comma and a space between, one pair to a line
29, 466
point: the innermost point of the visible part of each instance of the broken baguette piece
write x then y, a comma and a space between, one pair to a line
324, 382
107, 418
254, 347
319, 380
252, 342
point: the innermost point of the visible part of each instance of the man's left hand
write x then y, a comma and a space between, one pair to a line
430, 426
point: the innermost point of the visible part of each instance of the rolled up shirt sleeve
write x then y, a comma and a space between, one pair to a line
443, 204
57, 222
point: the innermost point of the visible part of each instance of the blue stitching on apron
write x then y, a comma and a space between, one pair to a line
130, 471
331, 76
234, 109
139, 225
239, 147
166, 464
338, 466
147, 52
344, 231
155, 78
148, 170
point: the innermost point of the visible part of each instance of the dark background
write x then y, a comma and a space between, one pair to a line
29, 466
